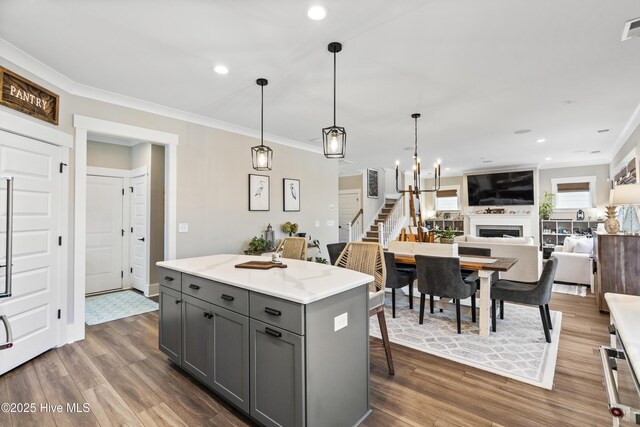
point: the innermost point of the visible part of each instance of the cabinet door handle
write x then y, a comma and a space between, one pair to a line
272, 332
227, 297
192, 286
178, 301
272, 311
210, 316
206, 314
168, 279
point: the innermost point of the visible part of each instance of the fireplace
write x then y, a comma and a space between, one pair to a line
496, 230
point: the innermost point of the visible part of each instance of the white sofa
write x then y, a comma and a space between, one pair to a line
529, 265
575, 260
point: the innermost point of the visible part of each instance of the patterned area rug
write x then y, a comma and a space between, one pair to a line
518, 349
562, 288
113, 306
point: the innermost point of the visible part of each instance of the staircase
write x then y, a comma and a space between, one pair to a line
372, 234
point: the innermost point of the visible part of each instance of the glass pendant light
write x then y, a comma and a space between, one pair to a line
334, 138
261, 155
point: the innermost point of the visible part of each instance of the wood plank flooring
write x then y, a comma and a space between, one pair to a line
120, 372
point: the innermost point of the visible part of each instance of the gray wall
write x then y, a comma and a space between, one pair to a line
156, 243
212, 182
353, 182
100, 154
601, 172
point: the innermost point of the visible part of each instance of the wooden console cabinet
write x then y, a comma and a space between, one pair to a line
618, 266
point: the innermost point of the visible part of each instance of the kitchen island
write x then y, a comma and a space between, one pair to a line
287, 346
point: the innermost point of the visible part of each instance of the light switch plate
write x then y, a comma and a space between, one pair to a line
340, 322
183, 227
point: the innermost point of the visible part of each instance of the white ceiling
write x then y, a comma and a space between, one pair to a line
476, 70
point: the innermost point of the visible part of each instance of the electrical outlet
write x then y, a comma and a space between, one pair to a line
340, 322
183, 227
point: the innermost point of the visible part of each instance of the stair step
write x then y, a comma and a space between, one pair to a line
369, 239
372, 234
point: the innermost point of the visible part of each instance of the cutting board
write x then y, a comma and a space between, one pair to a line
260, 265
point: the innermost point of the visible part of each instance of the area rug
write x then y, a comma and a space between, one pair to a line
518, 349
562, 288
117, 305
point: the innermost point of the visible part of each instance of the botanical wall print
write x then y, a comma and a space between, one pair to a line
258, 192
291, 195
372, 183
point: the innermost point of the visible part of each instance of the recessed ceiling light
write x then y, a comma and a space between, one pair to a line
221, 69
487, 161
316, 13
541, 140
408, 148
548, 158
568, 102
447, 169
522, 131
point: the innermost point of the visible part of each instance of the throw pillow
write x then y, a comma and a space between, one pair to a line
583, 246
570, 243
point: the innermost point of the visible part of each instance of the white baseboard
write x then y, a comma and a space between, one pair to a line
152, 290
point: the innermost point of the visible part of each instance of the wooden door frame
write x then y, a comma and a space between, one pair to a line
34, 130
83, 125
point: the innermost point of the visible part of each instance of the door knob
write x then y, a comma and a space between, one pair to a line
141, 239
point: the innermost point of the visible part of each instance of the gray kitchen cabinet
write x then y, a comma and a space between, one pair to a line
277, 375
170, 334
196, 340
229, 371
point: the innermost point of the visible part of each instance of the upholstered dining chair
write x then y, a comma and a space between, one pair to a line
396, 279
440, 276
335, 249
293, 248
368, 258
537, 293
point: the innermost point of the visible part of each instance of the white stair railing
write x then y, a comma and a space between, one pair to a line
390, 228
356, 227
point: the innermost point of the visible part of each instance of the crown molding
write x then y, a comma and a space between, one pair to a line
34, 66
577, 164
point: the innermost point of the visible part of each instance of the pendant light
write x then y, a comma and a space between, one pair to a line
334, 138
261, 155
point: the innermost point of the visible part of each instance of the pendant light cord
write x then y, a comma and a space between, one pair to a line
416, 139
334, 89
262, 116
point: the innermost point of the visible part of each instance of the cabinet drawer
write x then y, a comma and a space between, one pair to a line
170, 278
229, 297
278, 312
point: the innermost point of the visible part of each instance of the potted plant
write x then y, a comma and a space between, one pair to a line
446, 235
257, 246
290, 227
546, 205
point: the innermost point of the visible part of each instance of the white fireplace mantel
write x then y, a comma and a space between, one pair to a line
528, 222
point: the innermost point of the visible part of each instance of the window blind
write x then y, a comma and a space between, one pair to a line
573, 187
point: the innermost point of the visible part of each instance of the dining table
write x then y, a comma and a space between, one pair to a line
486, 267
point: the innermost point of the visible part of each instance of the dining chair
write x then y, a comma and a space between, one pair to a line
335, 249
368, 258
293, 248
396, 279
536, 293
440, 276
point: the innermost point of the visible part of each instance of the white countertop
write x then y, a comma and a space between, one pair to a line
302, 281
625, 311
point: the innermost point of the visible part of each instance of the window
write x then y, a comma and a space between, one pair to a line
447, 200
574, 193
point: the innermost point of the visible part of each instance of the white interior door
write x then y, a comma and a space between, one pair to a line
349, 207
139, 238
105, 234
32, 309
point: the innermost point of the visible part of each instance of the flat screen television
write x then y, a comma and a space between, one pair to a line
501, 189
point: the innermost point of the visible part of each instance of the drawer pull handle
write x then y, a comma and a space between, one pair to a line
227, 297
208, 315
192, 286
272, 311
178, 301
272, 332
168, 279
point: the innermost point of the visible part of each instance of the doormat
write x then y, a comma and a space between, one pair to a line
116, 305
518, 349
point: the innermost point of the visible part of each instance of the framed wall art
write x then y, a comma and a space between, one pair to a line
291, 195
372, 183
259, 192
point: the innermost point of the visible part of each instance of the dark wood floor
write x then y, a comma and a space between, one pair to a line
127, 381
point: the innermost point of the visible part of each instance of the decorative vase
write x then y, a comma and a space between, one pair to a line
611, 224
447, 241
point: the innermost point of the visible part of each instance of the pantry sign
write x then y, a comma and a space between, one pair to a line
27, 97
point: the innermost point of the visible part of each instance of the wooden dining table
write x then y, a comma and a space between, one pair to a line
485, 270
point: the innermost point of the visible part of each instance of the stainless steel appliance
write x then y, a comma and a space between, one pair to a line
8, 260
621, 382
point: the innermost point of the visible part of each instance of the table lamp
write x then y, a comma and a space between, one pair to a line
627, 197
